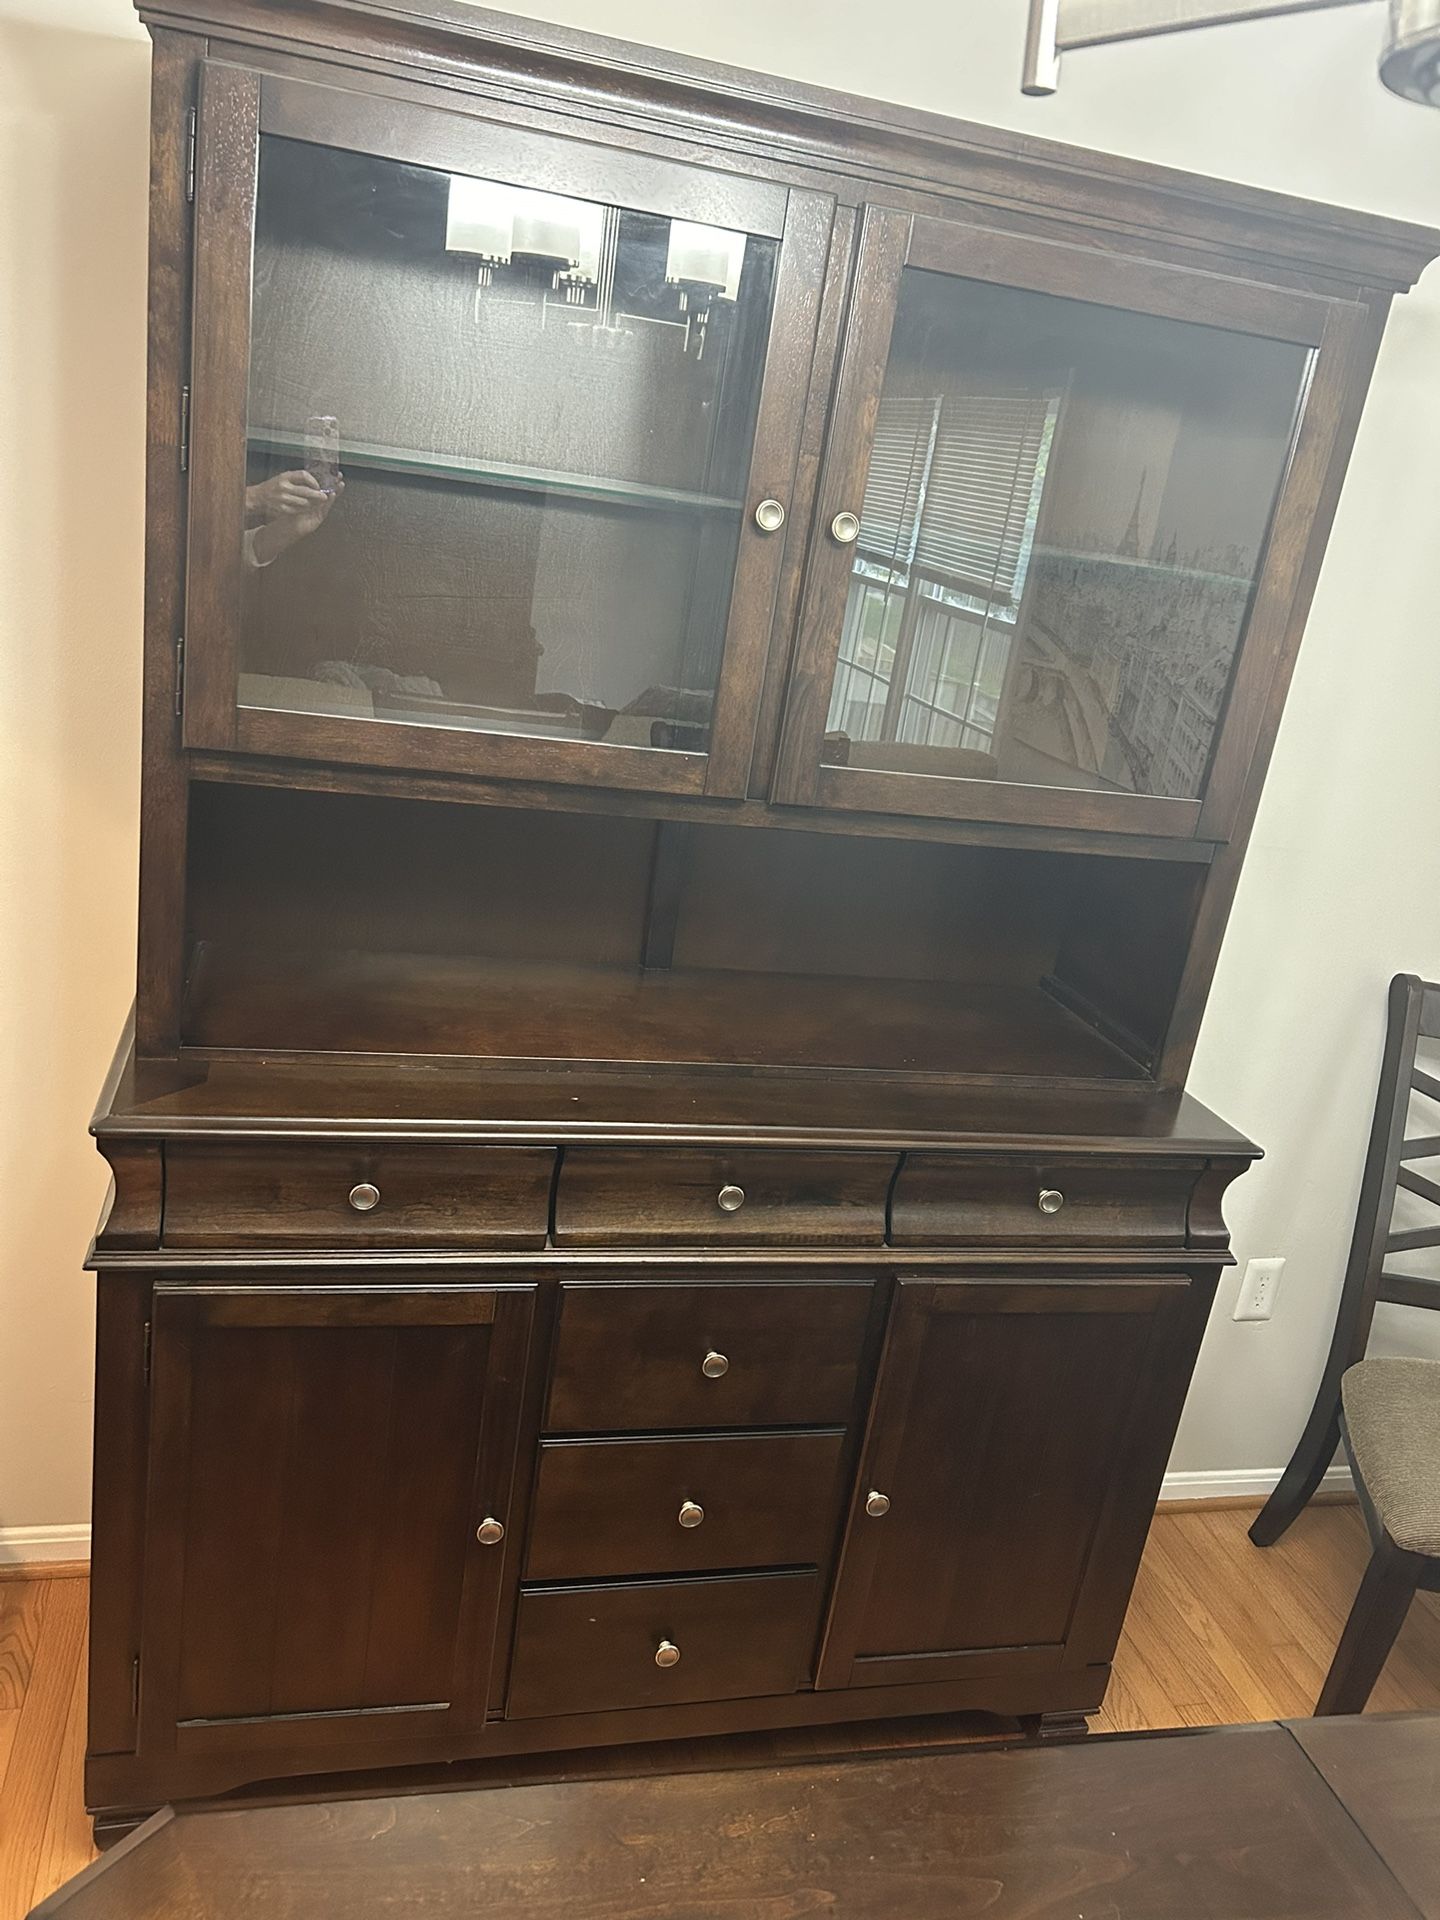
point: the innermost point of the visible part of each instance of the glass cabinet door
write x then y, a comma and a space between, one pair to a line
478, 451
1045, 513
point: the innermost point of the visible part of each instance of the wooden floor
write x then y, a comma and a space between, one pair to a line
1218, 1632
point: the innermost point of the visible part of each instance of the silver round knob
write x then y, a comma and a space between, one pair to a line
363, 1197
770, 516
714, 1366
730, 1199
1051, 1200
691, 1514
667, 1654
877, 1505
844, 529
490, 1533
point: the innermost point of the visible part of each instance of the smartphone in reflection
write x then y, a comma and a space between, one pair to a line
322, 449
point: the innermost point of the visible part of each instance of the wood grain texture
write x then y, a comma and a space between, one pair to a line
404, 1423
864, 345
943, 246
159, 963
40, 1834
253, 770
593, 1648
606, 1508
1001, 1424
629, 1356
939, 1200
132, 1211
673, 1199
236, 1097
1235, 1822
799, 283
449, 1005
299, 1196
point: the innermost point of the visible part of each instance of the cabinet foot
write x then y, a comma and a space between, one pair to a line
1057, 1726
107, 1828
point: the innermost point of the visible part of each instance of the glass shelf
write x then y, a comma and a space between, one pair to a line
1144, 569
499, 474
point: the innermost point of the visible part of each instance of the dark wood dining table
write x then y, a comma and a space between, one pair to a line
1301, 1820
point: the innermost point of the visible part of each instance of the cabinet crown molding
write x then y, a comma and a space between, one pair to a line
1249, 231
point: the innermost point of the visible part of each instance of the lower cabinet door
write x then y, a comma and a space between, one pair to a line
1017, 1440
322, 1463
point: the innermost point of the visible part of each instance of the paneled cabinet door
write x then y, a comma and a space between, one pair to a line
322, 1462
1017, 1440
493, 437
1063, 518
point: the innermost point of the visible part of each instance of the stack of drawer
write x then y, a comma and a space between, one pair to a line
692, 1431
697, 1434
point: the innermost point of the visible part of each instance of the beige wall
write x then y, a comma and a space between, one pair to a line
72, 423
1339, 891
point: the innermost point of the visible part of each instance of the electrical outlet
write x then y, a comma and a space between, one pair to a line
1259, 1285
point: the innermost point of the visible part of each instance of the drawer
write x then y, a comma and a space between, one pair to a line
945, 1200
611, 1507
648, 1354
238, 1194
745, 1198
594, 1649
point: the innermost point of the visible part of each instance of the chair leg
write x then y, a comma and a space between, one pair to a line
1312, 1455
1376, 1617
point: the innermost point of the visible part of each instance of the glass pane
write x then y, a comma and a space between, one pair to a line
1062, 522
498, 441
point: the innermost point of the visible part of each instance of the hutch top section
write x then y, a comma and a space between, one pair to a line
567, 459
562, 413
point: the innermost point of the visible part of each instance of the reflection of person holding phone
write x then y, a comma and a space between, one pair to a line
289, 507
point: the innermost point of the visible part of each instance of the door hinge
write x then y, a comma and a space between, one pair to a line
147, 1352
179, 676
191, 124
184, 429
135, 1687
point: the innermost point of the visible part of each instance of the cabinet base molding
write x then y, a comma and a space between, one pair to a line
119, 1788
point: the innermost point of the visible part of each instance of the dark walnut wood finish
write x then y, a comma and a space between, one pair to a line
676, 1503
1327, 1819
586, 1073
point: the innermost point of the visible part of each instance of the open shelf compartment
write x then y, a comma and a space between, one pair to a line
316, 926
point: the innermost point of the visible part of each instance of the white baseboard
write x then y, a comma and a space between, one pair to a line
32, 1546
1243, 1483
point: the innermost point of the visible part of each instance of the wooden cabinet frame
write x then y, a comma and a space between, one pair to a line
237, 105
892, 240
1039, 1357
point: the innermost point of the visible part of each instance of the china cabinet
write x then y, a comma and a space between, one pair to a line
711, 649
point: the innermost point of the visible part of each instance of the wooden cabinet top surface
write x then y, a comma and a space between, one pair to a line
244, 1095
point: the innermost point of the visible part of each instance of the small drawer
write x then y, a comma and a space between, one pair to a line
613, 1507
647, 1354
742, 1199
352, 1194
654, 1643
945, 1200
